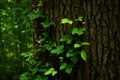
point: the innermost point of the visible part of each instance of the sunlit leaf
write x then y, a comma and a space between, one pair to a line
80, 18
54, 73
48, 72
83, 55
85, 43
77, 45
70, 22
66, 20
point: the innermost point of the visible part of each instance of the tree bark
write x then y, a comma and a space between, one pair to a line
102, 21
102, 18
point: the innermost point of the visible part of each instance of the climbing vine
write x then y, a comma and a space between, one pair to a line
67, 53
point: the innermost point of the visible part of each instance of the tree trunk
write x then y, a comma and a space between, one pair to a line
102, 20
102, 17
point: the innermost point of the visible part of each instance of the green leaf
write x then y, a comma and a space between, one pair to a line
54, 73
66, 38
61, 59
63, 66
48, 72
63, 38
80, 18
77, 45
85, 43
47, 24
78, 31
65, 20
74, 59
83, 55
70, 22
38, 78
40, 3
24, 76
69, 54
68, 70
50, 46
35, 70
54, 51
27, 54
74, 30
33, 15
59, 49
31, 61
42, 39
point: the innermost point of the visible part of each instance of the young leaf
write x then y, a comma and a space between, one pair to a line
48, 72
77, 45
63, 66
70, 22
85, 43
65, 20
54, 73
83, 55
80, 18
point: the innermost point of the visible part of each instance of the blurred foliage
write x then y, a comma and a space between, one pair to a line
15, 37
